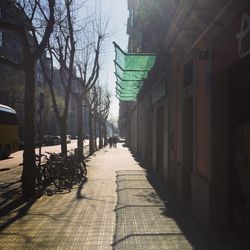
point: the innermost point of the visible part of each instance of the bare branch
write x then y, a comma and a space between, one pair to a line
41, 9
48, 30
95, 71
49, 81
17, 66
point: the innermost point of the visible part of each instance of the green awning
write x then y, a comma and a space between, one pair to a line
125, 98
131, 70
127, 91
128, 83
130, 75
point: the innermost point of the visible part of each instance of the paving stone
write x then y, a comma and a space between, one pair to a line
116, 208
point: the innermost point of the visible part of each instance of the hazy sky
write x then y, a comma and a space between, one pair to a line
117, 9
117, 13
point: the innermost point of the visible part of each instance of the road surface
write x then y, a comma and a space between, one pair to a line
15, 160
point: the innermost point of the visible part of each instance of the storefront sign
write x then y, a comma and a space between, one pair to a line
244, 36
232, 44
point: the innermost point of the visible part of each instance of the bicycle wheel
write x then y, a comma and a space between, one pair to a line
39, 180
84, 168
48, 173
78, 173
63, 177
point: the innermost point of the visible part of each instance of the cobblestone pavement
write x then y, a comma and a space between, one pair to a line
118, 207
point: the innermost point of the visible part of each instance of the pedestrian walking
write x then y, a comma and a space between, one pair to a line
115, 140
110, 142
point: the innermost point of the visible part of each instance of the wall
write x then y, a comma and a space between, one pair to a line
200, 182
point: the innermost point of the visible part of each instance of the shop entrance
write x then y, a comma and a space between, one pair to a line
159, 138
239, 139
187, 147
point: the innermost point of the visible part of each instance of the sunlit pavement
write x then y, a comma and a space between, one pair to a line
16, 158
118, 207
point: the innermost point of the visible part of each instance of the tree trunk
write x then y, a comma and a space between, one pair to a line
79, 127
63, 128
105, 134
100, 134
95, 137
91, 134
29, 170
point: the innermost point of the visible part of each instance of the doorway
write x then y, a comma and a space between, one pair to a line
187, 147
159, 139
239, 138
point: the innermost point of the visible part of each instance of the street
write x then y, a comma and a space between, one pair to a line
120, 206
15, 159
161, 91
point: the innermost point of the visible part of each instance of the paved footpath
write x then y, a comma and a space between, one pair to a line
118, 207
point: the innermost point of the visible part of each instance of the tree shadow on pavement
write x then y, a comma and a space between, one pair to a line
149, 216
9, 192
22, 206
79, 190
12, 205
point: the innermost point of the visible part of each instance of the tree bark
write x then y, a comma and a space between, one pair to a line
100, 135
79, 126
29, 170
105, 134
31, 53
63, 128
95, 137
91, 134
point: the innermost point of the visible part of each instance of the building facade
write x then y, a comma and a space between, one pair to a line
190, 123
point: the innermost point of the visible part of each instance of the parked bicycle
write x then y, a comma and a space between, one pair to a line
40, 180
79, 168
62, 171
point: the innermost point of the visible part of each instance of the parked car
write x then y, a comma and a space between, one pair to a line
21, 144
48, 140
122, 139
56, 139
68, 138
86, 137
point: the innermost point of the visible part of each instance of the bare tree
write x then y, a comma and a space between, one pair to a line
33, 25
62, 48
86, 82
104, 113
91, 102
88, 65
101, 112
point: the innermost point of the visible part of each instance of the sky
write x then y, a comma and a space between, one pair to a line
117, 13
118, 21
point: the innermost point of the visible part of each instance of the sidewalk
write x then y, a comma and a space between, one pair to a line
116, 208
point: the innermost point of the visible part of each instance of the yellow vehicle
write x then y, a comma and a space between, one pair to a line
8, 131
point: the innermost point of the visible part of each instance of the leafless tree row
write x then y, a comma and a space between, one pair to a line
53, 32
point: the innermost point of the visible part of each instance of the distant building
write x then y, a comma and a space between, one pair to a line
11, 80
